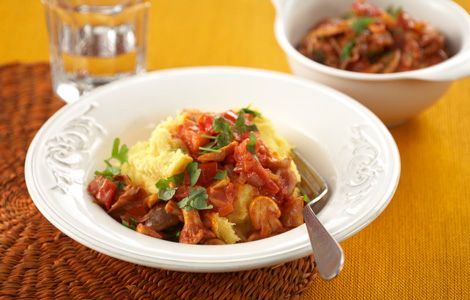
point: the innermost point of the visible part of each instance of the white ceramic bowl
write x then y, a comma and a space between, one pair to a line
349, 146
393, 97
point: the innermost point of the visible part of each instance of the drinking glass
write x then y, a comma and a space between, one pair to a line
93, 42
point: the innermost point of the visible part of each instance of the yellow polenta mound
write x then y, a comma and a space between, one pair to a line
223, 228
159, 157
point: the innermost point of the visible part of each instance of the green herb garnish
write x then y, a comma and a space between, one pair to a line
248, 110
114, 163
251, 145
177, 179
194, 172
361, 24
225, 130
306, 200
394, 11
211, 137
220, 175
131, 225
208, 149
120, 185
319, 56
225, 136
109, 171
197, 199
346, 51
165, 192
240, 124
119, 153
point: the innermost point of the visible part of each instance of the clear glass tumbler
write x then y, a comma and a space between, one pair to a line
93, 42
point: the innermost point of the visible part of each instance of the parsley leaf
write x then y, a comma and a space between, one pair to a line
119, 154
306, 200
346, 51
194, 172
220, 124
197, 199
248, 110
110, 170
129, 224
225, 137
165, 192
240, 124
394, 12
208, 149
220, 175
210, 137
177, 179
361, 24
120, 185
251, 145
319, 56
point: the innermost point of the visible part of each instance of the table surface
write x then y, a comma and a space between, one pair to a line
420, 246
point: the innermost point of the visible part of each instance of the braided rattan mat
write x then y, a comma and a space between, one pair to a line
38, 262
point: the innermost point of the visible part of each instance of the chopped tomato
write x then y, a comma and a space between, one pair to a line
193, 229
361, 8
253, 170
103, 190
292, 212
287, 182
205, 123
221, 195
191, 136
230, 116
182, 192
137, 211
208, 171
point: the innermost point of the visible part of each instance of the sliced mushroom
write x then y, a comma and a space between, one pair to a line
193, 229
292, 212
219, 155
264, 215
148, 231
132, 197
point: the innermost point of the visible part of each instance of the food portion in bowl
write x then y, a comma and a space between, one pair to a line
204, 178
369, 39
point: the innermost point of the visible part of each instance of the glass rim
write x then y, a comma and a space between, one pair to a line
107, 8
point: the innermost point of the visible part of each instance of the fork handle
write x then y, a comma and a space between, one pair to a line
328, 254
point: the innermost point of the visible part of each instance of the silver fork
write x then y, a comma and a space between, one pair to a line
328, 254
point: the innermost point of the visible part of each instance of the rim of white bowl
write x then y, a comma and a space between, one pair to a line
291, 51
230, 263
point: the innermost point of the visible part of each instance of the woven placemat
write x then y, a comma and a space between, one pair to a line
38, 262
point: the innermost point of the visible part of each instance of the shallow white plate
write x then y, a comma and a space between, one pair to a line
348, 145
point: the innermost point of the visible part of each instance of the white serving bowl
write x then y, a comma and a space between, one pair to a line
393, 97
348, 145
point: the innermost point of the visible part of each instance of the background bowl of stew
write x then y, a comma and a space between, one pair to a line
394, 97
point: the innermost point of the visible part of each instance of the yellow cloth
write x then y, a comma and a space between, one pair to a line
419, 248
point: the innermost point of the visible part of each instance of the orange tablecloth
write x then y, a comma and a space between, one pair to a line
420, 246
